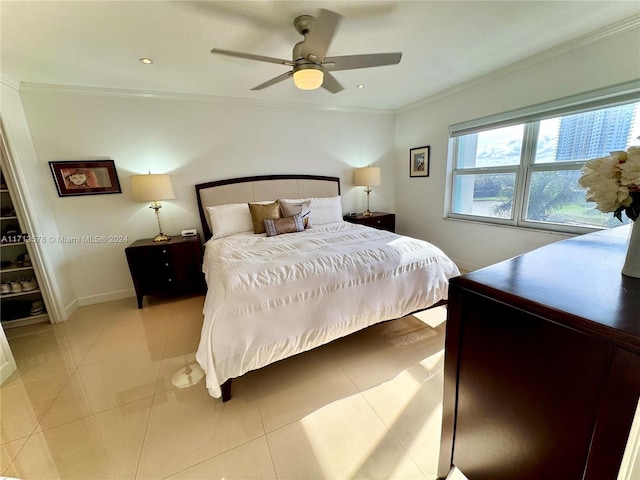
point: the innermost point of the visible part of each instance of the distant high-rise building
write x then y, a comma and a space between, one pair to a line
594, 134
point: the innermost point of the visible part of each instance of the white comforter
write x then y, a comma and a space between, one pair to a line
272, 297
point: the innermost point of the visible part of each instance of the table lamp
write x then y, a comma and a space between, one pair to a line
153, 188
367, 177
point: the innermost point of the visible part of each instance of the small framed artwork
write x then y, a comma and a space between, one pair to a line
88, 177
419, 162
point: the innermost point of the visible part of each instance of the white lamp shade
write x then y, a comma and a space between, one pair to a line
367, 177
151, 187
308, 77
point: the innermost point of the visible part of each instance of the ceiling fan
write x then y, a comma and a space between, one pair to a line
311, 68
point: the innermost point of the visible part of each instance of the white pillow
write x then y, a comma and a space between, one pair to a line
326, 210
230, 219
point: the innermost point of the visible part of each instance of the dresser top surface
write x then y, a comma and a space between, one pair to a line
576, 281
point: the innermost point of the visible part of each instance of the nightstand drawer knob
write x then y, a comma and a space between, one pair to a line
164, 251
166, 264
379, 222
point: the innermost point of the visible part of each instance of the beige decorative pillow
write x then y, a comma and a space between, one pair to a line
260, 211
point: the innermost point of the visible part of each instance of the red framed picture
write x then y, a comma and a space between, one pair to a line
89, 177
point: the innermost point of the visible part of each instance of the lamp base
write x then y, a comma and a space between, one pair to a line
161, 237
367, 212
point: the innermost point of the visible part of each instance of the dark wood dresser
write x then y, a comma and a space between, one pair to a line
165, 267
542, 364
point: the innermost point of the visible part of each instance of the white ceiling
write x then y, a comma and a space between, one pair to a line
444, 43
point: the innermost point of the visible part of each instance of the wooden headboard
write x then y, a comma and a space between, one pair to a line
261, 188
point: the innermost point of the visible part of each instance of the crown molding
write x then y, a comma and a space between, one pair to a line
630, 23
9, 81
150, 94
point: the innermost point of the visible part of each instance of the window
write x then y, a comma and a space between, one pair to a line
526, 174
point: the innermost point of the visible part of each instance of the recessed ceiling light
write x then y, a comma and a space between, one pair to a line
360, 86
146, 61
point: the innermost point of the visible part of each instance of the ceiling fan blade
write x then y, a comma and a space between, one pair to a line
250, 56
330, 83
319, 38
351, 62
273, 81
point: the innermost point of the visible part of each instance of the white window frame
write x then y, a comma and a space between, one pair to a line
530, 117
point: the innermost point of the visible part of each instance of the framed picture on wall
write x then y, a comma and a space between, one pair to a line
88, 177
419, 162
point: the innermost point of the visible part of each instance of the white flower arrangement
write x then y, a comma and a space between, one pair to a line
613, 183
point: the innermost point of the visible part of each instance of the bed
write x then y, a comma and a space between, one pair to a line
310, 280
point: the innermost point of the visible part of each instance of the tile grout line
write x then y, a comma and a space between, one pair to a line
144, 436
153, 396
76, 366
266, 439
28, 437
387, 427
210, 458
390, 432
344, 371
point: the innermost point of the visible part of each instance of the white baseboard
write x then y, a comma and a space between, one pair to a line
106, 297
69, 309
466, 266
6, 369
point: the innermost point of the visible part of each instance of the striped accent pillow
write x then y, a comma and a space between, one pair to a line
278, 226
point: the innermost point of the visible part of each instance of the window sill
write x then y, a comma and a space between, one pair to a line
483, 223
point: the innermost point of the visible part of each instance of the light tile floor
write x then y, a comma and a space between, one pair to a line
93, 399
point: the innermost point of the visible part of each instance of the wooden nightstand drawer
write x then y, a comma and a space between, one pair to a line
379, 220
164, 267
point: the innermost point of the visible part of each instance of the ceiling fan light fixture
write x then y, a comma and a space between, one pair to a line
308, 76
309, 56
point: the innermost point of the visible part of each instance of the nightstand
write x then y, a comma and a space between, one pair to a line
165, 267
379, 220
